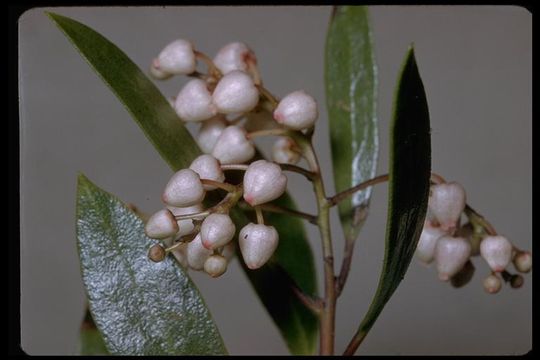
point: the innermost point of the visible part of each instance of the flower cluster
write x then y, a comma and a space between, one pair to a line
232, 108
451, 246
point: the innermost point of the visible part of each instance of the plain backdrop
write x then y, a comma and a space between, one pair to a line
476, 64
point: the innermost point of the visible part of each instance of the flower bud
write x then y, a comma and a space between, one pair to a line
161, 225
492, 284
194, 102
516, 281
209, 133
215, 265
257, 244
523, 261
446, 202
497, 251
157, 253
183, 189
186, 226
156, 72
234, 56
263, 182
425, 250
177, 58
197, 253
235, 93
180, 254
451, 253
233, 147
283, 151
208, 167
297, 111
217, 230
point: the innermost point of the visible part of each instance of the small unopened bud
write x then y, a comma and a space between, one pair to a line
156, 72
217, 230
209, 133
257, 244
492, 284
233, 147
425, 250
283, 151
446, 202
194, 102
451, 253
523, 261
177, 58
208, 167
297, 111
186, 226
516, 281
197, 253
156, 253
263, 182
161, 225
234, 56
497, 251
215, 265
235, 93
183, 189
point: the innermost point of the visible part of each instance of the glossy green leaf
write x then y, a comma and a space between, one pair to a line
140, 307
351, 97
408, 186
161, 125
91, 341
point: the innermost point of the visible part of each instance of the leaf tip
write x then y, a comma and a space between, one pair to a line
83, 182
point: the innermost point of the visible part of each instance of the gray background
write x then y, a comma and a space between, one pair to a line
476, 66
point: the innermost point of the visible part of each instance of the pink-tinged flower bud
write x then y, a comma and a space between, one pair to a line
523, 261
215, 265
263, 182
235, 93
257, 244
194, 102
283, 151
180, 254
234, 56
446, 202
229, 250
492, 284
186, 226
197, 253
209, 133
161, 225
157, 73
208, 167
425, 250
177, 58
297, 111
451, 253
217, 230
184, 189
233, 147
497, 251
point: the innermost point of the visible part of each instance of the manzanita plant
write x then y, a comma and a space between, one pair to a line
225, 199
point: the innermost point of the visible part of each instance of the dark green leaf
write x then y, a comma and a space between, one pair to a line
351, 96
91, 341
408, 186
161, 125
140, 307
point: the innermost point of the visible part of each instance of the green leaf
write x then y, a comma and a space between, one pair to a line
91, 341
140, 307
408, 186
351, 97
161, 125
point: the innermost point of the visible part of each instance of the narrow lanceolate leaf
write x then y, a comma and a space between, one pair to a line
161, 125
408, 186
91, 341
140, 307
351, 96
